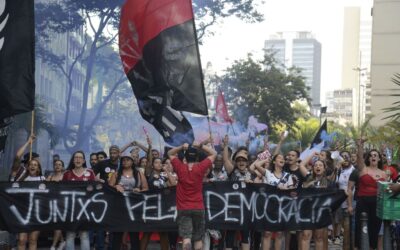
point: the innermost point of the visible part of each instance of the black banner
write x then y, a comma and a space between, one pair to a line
75, 206
17, 57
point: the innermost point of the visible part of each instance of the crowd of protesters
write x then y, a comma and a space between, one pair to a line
188, 166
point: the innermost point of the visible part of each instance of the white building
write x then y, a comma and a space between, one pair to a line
356, 63
385, 57
302, 50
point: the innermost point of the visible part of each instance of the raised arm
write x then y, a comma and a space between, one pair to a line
281, 140
360, 154
20, 153
211, 153
258, 166
149, 156
128, 145
172, 180
227, 161
302, 167
207, 141
22, 149
349, 199
172, 153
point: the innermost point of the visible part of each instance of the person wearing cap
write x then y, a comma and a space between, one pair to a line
143, 163
189, 192
104, 170
17, 170
237, 171
127, 179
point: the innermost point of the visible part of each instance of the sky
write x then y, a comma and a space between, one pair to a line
234, 39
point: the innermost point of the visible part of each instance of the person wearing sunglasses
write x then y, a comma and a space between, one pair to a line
370, 172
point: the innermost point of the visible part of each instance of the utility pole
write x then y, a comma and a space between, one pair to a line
359, 69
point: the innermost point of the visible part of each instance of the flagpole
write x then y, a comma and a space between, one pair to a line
32, 126
198, 57
209, 130
159, 142
233, 129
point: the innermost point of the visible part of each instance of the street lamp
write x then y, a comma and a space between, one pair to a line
359, 92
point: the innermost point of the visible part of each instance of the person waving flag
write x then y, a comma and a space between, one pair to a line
160, 56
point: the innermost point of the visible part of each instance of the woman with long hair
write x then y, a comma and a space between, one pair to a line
127, 179
370, 172
158, 179
77, 171
237, 170
32, 173
274, 176
317, 179
57, 175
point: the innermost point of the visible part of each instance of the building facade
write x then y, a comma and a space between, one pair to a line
356, 64
340, 105
385, 59
302, 50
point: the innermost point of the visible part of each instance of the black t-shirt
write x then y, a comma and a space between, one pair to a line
105, 169
354, 177
156, 181
296, 175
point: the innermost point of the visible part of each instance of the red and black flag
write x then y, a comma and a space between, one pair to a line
159, 52
17, 61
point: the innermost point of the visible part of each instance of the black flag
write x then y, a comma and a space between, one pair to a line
317, 138
160, 56
17, 61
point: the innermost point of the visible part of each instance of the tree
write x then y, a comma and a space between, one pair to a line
262, 89
209, 12
101, 18
305, 130
388, 134
394, 111
23, 122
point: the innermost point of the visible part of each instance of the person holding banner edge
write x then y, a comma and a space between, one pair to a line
77, 171
189, 192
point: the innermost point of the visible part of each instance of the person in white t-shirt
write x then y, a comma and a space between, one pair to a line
274, 176
342, 179
32, 173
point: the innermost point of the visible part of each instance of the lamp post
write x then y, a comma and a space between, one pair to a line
359, 92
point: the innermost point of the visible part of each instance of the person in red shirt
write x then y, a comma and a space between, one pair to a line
390, 171
189, 192
77, 171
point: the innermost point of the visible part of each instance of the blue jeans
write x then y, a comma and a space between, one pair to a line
84, 238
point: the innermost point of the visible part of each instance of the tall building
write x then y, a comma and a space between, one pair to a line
340, 105
356, 63
302, 50
385, 59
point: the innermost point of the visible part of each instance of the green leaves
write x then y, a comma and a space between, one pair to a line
262, 89
395, 109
